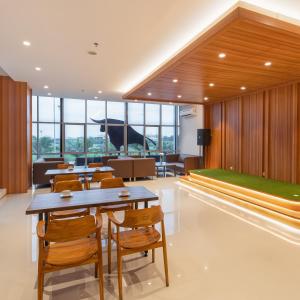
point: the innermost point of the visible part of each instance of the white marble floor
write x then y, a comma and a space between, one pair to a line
216, 252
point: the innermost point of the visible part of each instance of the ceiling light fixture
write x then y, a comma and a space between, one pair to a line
135, 100
149, 94
170, 102
243, 88
49, 94
268, 63
205, 98
26, 43
99, 92
96, 97
46, 87
179, 96
175, 80
211, 84
222, 55
38, 68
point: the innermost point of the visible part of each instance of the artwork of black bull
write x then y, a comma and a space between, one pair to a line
116, 134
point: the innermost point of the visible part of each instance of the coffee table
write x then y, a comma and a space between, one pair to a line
164, 166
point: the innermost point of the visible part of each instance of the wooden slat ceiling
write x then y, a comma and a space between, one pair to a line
248, 39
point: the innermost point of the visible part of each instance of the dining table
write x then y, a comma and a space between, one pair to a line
45, 203
78, 170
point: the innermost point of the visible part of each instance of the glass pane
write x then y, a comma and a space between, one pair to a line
136, 113
116, 111
49, 109
152, 114
135, 139
115, 135
178, 116
152, 138
95, 110
34, 138
76, 159
167, 115
168, 139
74, 111
49, 138
95, 139
34, 108
74, 138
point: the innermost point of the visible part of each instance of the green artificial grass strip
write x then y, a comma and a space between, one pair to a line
277, 188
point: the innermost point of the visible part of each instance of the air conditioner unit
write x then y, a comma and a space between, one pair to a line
187, 111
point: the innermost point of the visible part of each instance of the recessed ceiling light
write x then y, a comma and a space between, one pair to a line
205, 98
175, 80
268, 63
222, 55
95, 97
46, 87
99, 92
38, 68
243, 88
170, 102
49, 94
135, 100
26, 43
179, 96
211, 84
149, 94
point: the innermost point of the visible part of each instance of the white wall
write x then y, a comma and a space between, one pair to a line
187, 143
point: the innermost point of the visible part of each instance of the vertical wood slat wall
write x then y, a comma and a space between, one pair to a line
15, 135
257, 133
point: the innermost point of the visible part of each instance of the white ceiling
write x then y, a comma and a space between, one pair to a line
134, 36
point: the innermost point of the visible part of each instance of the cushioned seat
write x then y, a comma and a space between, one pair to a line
69, 253
138, 238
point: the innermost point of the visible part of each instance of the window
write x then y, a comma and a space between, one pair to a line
74, 111
116, 111
168, 139
152, 114
69, 128
136, 113
74, 138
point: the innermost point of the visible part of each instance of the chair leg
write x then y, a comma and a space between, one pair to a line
166, 263
96, 270
100, 272
119, 258
153, 255
109, 247
40, 283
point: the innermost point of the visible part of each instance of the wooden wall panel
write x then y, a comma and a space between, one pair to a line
213, 120
260, 133
232, 128
252, 133
15, 164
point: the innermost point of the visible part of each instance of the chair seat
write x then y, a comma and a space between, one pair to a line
138, 238
69, 253
70, 213
119, 207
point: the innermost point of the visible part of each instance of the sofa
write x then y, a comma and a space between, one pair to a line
40, 167
128, 167
184, 162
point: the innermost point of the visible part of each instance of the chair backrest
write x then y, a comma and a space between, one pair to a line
70, 229
66, 177
63, 166
98, 176
143, 217
72, 185
109, 183
95, 165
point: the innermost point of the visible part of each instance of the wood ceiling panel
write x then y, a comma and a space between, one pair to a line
249, 39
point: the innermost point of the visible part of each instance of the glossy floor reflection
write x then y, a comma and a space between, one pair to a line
213, 255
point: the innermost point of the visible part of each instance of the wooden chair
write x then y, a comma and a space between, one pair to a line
72, 185
109, 183
71, 243
95, 165
64, 177
63, 166
143, 237
97, 177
